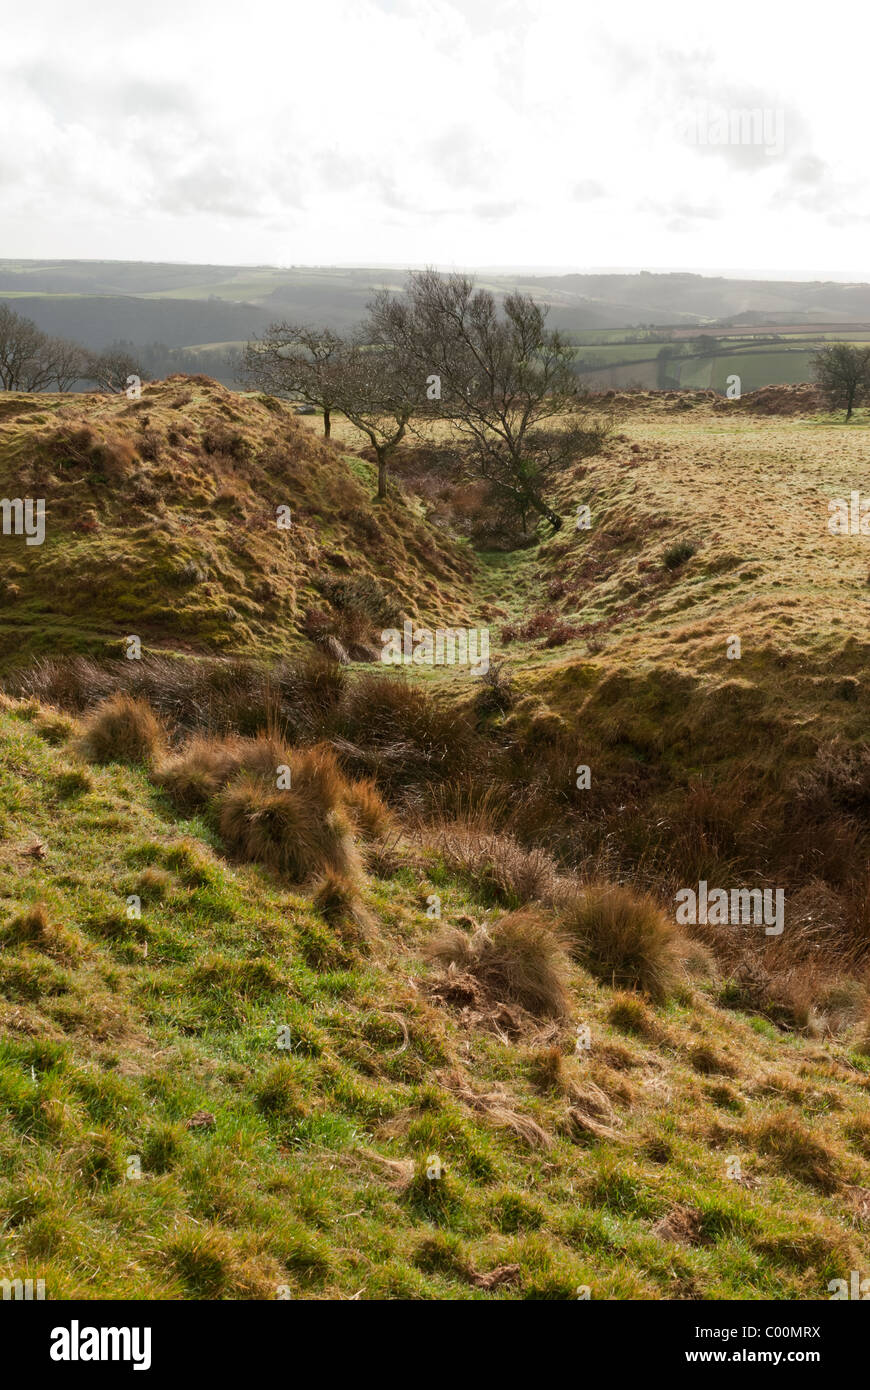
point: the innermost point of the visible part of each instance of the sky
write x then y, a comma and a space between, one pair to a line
480, 132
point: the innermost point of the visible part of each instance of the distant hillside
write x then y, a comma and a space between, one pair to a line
621, 301
96, 321
180, 305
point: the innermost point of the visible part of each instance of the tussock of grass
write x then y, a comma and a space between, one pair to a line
371, 816
622, 937
337, 898
123, 730
501, 870
286, 829
788, 1141
34, 928
197, 772
518, 959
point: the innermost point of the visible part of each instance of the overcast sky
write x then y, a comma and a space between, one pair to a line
454, 132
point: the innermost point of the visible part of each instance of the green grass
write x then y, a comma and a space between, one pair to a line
312, 1176
756, 367
116, 1030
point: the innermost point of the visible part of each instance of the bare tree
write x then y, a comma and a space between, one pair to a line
299, 362
67, 362
508, 383
379, 390
842, 372
24, 362
111, 368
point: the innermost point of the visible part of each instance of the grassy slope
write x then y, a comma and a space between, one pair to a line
752, 496
314, 1174
161, 521
313, 1177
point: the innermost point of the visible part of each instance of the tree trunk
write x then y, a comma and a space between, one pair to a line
541, 507
327, 421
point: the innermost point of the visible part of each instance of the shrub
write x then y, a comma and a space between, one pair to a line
123, 730
496, 693
562, 633
518, 960
678, 554
622, 937
219, 439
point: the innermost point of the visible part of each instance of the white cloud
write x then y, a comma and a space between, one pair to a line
480, 131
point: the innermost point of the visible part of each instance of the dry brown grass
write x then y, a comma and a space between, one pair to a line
337, 898
402, 733
30, 926
307, 827
370, 813
590, 1112
500, 869
123, 730
499, 1109
622, 937
519, 960
34, 928
196, 773
300, 831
